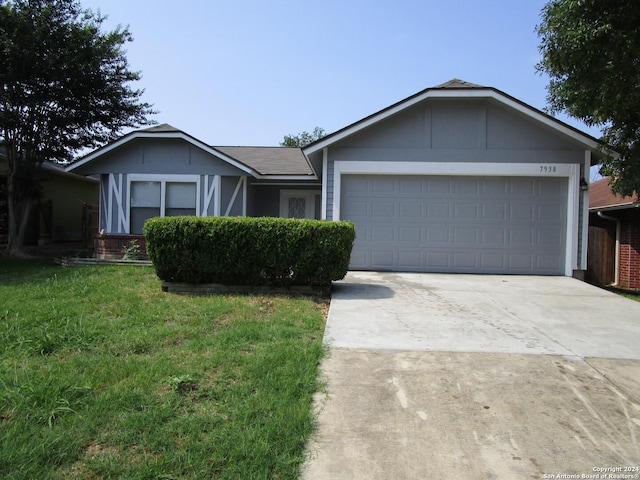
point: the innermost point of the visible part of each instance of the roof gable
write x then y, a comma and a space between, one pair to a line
259, 162
458, 89
159, 131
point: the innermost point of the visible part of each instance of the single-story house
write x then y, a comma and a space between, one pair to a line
614, 237
62, 213
456, 178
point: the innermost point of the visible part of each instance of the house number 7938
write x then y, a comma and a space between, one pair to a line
548, 169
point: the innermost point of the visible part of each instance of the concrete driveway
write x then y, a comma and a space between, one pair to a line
466, 376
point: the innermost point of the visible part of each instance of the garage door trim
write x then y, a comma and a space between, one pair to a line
570, 171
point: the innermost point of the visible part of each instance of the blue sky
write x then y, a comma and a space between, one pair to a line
247, 72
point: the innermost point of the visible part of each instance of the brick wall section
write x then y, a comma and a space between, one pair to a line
630, 251
110, 246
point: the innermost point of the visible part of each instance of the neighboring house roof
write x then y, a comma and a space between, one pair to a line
55, 168
457, 88
602, 198
260, 162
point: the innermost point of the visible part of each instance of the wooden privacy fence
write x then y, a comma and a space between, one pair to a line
90, 224
601, 256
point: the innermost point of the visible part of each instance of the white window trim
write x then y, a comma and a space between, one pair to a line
569, 171
163, 180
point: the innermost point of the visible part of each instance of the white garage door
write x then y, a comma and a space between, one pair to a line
457, 224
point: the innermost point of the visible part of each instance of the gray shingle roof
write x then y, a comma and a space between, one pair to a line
270, 160
457, 83
162, 128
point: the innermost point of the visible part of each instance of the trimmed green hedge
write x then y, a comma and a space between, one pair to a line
249, 251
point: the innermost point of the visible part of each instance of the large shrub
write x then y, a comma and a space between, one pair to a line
249, 251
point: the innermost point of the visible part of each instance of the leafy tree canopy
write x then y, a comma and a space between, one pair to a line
65, 85
591, 52
303, 139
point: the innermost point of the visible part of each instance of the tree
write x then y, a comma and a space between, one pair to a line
64, 87
303, 139
591, 52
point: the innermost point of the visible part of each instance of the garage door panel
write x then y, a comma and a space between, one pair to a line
438, 260
438, 211
359, 209
410, 235
550, 189
410, 259
522, 187
494, 236
549, 213
359, 259
381, 209
465, 261
384, 259
492, 261
436, 186
465, 187
523, 212
438, 235
465, 236
493, 212
465, 211
494, 188
551, 237
383, 185
521, 236
548, 262
411, 210
434, 224
410, 185
383, 234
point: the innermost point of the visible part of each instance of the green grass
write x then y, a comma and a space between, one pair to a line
632, 296
102, 375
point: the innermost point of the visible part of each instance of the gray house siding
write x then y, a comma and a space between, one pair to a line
218, 188
480, 132
456, 131
157, 156
264, 199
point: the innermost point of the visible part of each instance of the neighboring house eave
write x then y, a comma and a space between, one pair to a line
64, 173
166, 135
56, 170
587, 141
619, 206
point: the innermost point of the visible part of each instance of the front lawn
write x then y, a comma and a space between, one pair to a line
102, 375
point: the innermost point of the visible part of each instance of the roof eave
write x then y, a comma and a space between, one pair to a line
308, 178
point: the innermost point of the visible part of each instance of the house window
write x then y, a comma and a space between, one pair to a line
180, 199
160, 197
300, 204
296, 207
145, 203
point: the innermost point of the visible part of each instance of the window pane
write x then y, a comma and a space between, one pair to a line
181, 195
296, 207
139, 215
145, 194
175, 212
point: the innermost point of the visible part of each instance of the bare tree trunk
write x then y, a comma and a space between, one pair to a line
19, 212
